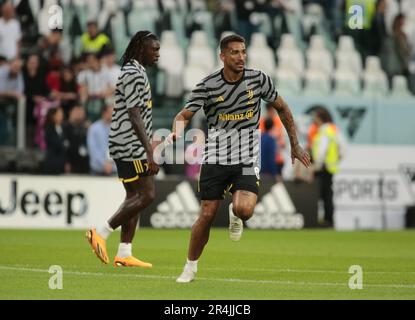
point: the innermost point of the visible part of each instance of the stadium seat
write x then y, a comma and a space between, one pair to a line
287, 82
200, 53
316, 83
400, 87
347, 55
289, 56
205, 20
199, 38
170, 51
119, 34
168, 38
318, 57
192, 76
263, 21
312, 18
293, 21
179, 27
346, 83
260, 55
375, 80
143, 16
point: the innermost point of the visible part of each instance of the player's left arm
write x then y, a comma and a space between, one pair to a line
287, 119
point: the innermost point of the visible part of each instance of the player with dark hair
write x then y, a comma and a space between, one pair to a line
130, 147
230, 99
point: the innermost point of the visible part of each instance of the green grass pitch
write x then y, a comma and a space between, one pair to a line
263, 265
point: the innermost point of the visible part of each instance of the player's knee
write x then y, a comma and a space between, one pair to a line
207, 216
148, 197
244, 212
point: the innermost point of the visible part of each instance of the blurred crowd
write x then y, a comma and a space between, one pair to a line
69, 97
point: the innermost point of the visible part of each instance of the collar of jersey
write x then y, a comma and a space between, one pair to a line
138, 65
232, 83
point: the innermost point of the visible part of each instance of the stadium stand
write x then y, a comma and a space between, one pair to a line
306, 47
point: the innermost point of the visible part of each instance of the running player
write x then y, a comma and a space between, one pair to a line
230, 99
130, 147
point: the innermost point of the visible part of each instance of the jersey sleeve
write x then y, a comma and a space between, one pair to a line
133, 89
198, 98
268, 91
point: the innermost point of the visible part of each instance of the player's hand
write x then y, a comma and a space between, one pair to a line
153, 167
299, 153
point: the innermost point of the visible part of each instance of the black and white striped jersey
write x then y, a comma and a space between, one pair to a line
233, 112
132, 90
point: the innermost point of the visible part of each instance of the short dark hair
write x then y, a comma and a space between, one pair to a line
232, 38
268, 124
323, 114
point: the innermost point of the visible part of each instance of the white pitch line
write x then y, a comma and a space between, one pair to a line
288, 270
302, 283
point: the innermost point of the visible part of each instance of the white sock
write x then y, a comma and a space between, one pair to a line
231, 208
124, 250
105, 230
192, 265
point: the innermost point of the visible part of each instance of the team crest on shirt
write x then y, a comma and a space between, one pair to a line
149, 104
250, 93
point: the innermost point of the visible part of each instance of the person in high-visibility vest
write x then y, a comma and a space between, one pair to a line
327, 150
94, 41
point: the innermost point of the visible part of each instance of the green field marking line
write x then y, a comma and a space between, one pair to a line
275, 282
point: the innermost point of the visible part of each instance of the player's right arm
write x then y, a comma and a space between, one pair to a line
197, 100
180, 123
140, 130
133, 84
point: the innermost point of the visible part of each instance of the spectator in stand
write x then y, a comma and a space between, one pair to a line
396, 51
36, 89
378, 31
11, 80
244, 9
11, 89
99, 159
75, 132
277, 132
94, 88
268, 150
55, 143
94, 41
66, 90
52, 43
10, 32
110, 69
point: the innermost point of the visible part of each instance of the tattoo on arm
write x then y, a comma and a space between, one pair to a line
287, 119
139, 127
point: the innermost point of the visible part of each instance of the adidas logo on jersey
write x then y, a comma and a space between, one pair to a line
180, 210
276, 211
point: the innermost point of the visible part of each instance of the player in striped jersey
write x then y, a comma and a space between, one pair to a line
230, 99
130, 147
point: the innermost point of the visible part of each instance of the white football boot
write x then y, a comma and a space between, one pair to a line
236, 225
187, 275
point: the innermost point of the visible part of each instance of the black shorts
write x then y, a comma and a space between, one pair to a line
129, 171
216, 180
